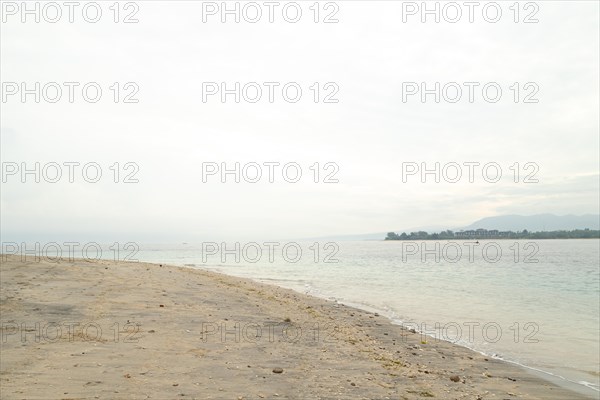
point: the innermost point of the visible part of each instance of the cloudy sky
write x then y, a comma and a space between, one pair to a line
375, 125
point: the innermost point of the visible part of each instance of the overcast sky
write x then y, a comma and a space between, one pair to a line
367, 57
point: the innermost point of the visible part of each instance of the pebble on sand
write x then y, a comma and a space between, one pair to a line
455, 378
277, 370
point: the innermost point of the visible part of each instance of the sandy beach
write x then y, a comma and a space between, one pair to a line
83, 330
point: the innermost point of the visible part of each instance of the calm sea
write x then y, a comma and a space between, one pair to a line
535, 303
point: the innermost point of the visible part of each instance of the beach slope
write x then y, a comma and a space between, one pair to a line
80, 329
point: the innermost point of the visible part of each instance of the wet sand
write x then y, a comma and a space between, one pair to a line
83, 330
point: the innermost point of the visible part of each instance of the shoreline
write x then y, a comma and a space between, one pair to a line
204, 334
583, 388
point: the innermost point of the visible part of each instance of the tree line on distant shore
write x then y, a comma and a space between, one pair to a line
494, 234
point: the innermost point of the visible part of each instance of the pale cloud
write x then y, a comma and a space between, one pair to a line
369, 133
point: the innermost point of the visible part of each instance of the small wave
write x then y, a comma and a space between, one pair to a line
590, 385
502, 358
283, 280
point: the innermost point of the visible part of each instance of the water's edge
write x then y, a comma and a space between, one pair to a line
584, 388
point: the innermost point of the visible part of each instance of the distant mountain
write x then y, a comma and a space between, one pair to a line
539, 222
515, 223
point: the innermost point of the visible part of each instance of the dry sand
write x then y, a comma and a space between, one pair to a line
150, 331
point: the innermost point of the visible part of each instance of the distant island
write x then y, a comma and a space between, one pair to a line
495, 234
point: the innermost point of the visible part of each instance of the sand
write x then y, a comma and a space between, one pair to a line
81, 330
